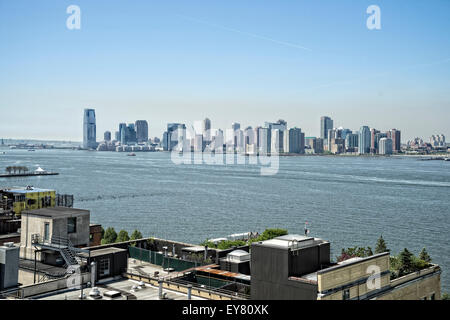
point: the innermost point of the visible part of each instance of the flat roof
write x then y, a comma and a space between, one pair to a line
212, 269
104, 251
291, 241
194, 249
55, 212
25, 190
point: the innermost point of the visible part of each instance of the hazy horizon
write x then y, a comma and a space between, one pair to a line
234, 61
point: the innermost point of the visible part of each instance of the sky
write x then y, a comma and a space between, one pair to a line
246, 61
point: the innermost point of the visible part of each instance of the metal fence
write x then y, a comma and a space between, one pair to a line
159, 259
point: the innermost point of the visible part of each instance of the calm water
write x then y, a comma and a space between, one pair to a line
348, 201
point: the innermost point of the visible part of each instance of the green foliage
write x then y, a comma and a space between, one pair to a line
269, 234
136, 235
103, 233
423, 255
445, 296
230, 244
123, 236
354, 252
110, 236
266, 235
381, 246
406, 262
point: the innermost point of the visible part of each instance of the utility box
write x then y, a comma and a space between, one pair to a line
9, 265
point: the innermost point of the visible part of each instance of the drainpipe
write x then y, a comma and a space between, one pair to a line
189, 291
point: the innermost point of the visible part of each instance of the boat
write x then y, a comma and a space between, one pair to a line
132, 154
447, 159
31, 150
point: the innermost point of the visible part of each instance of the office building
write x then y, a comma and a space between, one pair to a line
89, 129
325, 124
351, 142
206, 130
141, 131
265, 141
373, 141
122, 133
364, 140
385, 146
295, 141
395, 135
107, 136
277, 138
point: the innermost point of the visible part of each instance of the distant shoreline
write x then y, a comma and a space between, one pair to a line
28, 174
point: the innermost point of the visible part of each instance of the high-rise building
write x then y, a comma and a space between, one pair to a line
206, 130
385, 146
265, 139
122, 133
281, 126
295, 141
364, 140
117, 136
89, 129
107, 136
141, 131
131, 134
395, 135
373, 141
351, 142
172, 135
325, 124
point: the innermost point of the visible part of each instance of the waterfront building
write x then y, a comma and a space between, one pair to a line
172, 135
206, 130
364, 140
295, 141
281, 126
351, 142
122, 133
373, 141
141, 131
198, 143
314, 144
325, 124
117, 136
385, 146
378, 137
265, 140
107, 136
337, 145
395, 135
89, 129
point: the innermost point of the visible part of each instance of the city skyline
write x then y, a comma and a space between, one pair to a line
170, 63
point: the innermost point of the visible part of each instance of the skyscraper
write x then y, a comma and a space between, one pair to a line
265, 139
395, 135
385, 146
89, 129
206, 130
281, 126
107, 136
325, 124
141, 131
123, 133
364, 140
295, 141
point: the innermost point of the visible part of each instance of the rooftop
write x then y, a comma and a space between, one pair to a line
125, 288
55, 212
290, 241
26, 190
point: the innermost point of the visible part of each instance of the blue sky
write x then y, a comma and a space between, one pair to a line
243, 61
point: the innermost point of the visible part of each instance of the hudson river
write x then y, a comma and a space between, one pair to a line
349, 201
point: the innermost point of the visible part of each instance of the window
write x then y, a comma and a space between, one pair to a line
103, 267
46, 231
71, 225
346, 294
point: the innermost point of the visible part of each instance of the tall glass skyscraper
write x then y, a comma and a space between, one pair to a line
89, 129
141, 131
325, 124
364, 140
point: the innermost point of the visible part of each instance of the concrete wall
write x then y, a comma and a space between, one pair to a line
270, 276
415, 286
333, 281
9, 266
